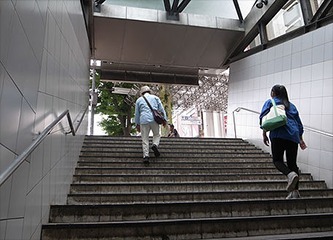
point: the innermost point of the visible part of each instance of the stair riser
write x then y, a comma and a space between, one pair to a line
192, 229
138, 140
180, 178
188, 196
160, 164
186, 171
165, 159
173, 152
134, 212
177, 156
173, 145
188, 187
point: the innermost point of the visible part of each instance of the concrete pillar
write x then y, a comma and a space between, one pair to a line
208, 124
217, 124
222, 124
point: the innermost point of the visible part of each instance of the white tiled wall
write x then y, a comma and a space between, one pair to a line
44, 70
304, 65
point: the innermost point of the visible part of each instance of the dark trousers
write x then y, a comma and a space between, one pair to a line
279, 147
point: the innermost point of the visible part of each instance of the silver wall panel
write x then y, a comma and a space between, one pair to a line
44, 70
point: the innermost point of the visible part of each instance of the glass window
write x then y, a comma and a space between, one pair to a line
287, 19
256, 42
148, 4
216, 8
315, 4
245, 6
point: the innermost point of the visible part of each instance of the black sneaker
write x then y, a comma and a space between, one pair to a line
146, 161
155, 149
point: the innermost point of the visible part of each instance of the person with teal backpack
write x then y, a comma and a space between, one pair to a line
285, 139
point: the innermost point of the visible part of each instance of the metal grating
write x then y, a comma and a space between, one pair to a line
210, 94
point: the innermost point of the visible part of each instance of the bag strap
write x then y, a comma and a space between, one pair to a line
274, 105
148, 103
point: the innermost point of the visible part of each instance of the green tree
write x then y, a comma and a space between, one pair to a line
118, 112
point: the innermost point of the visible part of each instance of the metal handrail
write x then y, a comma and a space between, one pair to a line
237, 110
19, 160
305, 127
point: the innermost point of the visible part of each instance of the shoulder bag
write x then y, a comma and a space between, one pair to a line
276, 117
158, 115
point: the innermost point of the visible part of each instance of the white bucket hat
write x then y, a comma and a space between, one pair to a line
144, 89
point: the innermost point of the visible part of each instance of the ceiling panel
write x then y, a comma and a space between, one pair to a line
108, 37
158, 47
137, 41
220, 44
167, 43
193, 46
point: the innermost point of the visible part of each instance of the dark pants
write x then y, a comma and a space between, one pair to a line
279, 147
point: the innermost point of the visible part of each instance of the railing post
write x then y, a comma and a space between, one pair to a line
93, 100
234, 122
70, 124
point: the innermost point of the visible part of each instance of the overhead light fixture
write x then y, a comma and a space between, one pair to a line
261, 3
96, 63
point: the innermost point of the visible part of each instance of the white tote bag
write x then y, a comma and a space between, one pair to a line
276, 117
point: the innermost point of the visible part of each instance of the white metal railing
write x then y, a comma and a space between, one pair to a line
256, 112
20, 159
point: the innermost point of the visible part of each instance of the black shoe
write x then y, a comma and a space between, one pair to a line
155, 149
146, 161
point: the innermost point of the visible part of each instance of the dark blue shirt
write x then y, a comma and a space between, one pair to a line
293, 130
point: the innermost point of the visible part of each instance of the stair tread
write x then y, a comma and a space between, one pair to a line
236, 218
302, 200
322, 190
192, 183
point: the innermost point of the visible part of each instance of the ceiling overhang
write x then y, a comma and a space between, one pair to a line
146, 45
142, 45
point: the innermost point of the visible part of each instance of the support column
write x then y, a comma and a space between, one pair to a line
222, 124
208, 123
217, 124
93, 101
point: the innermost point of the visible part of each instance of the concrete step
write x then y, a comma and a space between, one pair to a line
160, 197
185, 159
170, 165
261, 158
134, 139
200, 228
98, 178
172, 170
165, 142
126, 150
290, 236
173, 146
176, 163
179, 155
189, 186
190, 210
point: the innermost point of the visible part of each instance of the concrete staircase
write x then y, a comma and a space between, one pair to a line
196, 189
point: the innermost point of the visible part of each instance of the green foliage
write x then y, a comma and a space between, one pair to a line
118, 122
